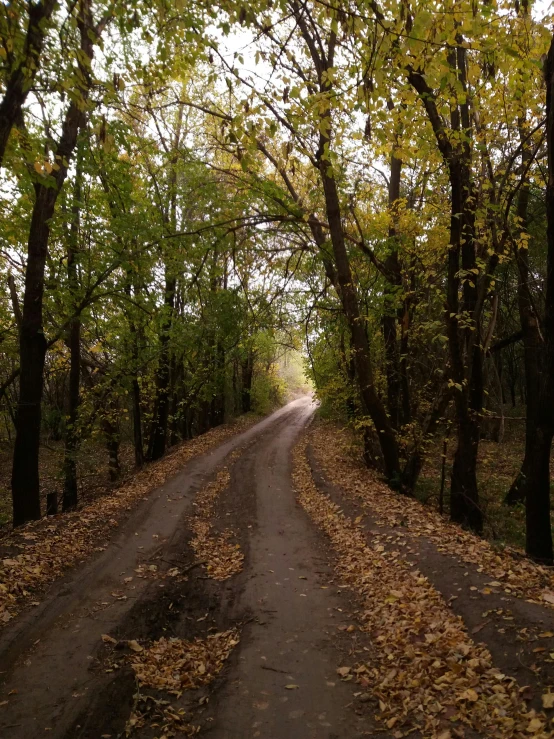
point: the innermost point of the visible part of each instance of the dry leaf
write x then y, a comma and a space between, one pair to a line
548, 700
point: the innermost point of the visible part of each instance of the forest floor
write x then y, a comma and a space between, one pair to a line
273, 587
499, 464
92, 467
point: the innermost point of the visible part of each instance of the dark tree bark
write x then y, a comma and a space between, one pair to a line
217, 413
533, 344
393, 283
537, 503
466, 358
137, 425
72, 437
23, 73
74, 342
396, 318
337, 265
158, 434
464, 343
25, 473
247, 373
157, 443
111, 434
136, 396
341, 272
371, 403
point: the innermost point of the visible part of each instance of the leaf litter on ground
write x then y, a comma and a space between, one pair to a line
427, 673
509, 568
41, 551
221, 555
172, 666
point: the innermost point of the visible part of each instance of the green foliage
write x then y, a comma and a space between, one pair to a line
268, 391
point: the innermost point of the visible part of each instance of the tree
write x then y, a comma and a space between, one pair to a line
48, 185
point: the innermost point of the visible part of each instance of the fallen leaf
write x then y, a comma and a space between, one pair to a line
548, 700
477, 629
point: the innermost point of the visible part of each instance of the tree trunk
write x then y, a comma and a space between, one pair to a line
464, 343
23, 73
465, 357
339, 272
137, 425
136, 400
158, 434
391, 311
538, 540
111, 434
72, 437
32, 343
247, 372
371, 403
537, 502
32, 351
533, 346
74, 343
464, 500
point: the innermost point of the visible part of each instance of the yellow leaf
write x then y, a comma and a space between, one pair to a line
535, 725
548, 700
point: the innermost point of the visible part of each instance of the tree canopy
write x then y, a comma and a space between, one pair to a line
193, 191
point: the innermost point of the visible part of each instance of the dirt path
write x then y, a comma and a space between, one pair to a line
223, 562
285, 683
46, 658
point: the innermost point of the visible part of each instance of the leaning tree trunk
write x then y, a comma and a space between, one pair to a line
370, 400
466, 357
371, 403
23, 72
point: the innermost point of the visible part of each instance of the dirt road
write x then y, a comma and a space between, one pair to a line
224, 563
55, 679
